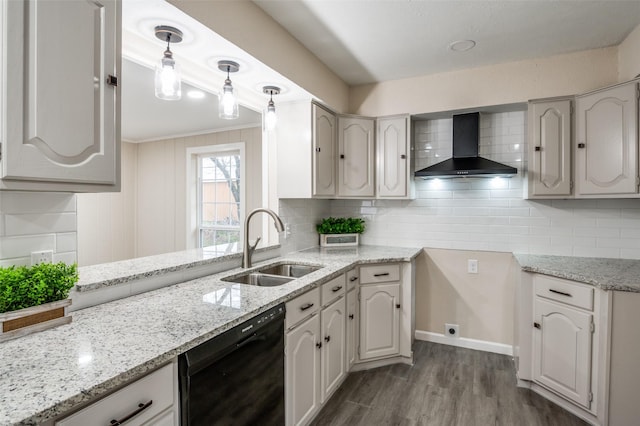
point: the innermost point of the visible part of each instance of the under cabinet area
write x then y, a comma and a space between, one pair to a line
149, 401
67, 52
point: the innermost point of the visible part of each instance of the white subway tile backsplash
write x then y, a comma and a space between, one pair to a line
33, 221
22, 246
27, 224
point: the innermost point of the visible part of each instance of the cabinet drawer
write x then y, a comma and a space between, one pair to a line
563, 291
156, 388
353, 277
302, 306
332, 290
379, 273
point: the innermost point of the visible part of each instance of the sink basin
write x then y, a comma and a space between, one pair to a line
289, 270
261, 280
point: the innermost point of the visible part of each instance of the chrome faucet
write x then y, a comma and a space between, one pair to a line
248, 249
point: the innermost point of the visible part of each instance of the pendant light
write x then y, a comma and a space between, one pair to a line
167, 81
270, 118
228, 100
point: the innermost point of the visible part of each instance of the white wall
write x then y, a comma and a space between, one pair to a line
491, 85
33, 221
629, 56
149, 216
301, 216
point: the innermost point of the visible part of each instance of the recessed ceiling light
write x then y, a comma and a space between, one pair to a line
462, 45
195, 94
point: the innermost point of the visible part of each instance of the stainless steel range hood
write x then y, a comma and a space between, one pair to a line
465, 161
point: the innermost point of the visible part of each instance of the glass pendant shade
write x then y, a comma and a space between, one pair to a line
167, 82
271, 119
228, 102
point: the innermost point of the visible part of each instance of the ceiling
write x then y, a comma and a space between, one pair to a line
146, 118
372, 41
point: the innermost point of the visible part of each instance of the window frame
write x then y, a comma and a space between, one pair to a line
194, 187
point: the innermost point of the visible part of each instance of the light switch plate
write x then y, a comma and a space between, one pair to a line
472, 266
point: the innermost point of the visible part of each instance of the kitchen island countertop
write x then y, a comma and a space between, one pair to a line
47, 374
602, 273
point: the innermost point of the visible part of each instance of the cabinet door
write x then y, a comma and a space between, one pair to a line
356, 157
550, 148
392, 157
61, 113
302, 372
607, 142
379, 320
324, 150
333, 347
562, 350
352, 328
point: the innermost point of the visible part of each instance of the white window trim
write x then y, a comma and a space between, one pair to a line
192, 187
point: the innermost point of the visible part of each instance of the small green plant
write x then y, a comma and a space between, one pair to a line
23, 287
348, 225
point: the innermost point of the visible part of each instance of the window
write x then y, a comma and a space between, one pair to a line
219, 194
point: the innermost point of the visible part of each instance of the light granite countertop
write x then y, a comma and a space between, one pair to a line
46, 374
603, 273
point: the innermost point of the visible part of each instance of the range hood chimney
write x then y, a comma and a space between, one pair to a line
465, 160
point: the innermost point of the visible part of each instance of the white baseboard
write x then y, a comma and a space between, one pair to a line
463, 342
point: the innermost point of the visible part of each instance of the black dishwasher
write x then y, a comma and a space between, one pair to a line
236, 378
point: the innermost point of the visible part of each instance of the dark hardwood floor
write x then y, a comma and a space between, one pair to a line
446, 386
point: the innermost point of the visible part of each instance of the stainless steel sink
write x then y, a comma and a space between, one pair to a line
289, 270
261, 280
273, 275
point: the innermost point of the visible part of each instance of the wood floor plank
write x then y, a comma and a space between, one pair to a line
446, 386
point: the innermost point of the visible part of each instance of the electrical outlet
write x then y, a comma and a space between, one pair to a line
44, 256
472, 266
451, 330
287, 230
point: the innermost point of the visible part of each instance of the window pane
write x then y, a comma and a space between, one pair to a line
219, 203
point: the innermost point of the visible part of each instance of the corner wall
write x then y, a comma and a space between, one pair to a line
629, 56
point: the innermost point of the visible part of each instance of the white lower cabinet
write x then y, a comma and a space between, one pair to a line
315, 359
379, 320
352, 327
332, 356
302, 372
562, 343
151, 400
562, 350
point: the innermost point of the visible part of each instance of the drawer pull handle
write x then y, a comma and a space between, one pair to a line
350, 316
352, 279
537, 325
384, 274
562, 293
141, 408
336, 288
306, 306
327, 339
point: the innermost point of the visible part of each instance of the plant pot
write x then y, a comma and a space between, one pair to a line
36, 318
339, 240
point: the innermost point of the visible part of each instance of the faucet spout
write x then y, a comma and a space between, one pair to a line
248, 249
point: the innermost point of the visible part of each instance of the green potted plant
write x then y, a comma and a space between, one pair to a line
34, 298
340, 231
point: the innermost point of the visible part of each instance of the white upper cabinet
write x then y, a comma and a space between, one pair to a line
549, 171
392, 157
324, 152
607, 142
356, 157
61, 106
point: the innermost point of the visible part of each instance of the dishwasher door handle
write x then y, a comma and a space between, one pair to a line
249, 339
